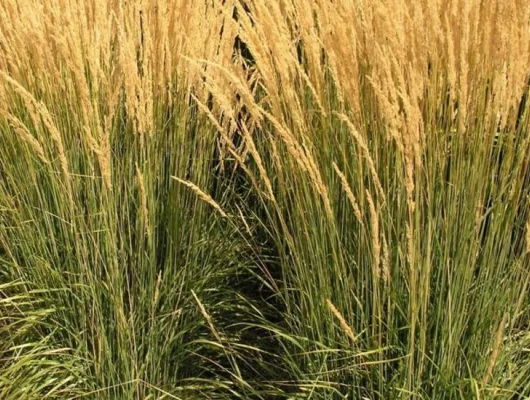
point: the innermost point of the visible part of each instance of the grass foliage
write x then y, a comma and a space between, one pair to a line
288, 199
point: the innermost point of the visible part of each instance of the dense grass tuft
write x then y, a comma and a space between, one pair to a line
240, 199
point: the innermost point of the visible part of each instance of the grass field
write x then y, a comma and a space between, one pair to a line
250, 199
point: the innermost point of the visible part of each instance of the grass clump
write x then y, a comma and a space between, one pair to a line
240, 199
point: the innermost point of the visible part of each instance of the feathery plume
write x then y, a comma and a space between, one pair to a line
349, 193
27, 137
344, 325
495, 350
203, 196
143, 200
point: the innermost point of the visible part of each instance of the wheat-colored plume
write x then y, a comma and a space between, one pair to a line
203, 196
344, 325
